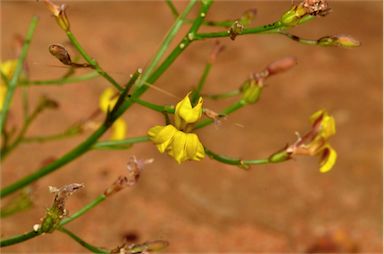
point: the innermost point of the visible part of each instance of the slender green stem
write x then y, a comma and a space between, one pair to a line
65, 159
61, 81
15, 78
22, 132
84, 210
18, 238
23, 237
271, 28
232, 108
300, 40
118, 143
92, 61
172, 7
83, 243
223, 95
155, 107
197, 92
165, 44
234, 161
73, 131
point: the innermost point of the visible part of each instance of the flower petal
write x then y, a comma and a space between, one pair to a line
178, 147
7, 68
328, 159
327, 125
106, 101
119, 129
185, 114
194, 148
162, 136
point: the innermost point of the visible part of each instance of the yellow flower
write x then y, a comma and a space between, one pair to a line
315, 142
186, 115
7, 69
180, 145
107, 101
176, 139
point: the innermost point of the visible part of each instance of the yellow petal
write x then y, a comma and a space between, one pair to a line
194, 148
328, 159
178, 147
186, 114
119, 129
162, 136
327, 125
106, 99
7, 68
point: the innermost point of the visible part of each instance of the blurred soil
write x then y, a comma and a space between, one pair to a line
207, 206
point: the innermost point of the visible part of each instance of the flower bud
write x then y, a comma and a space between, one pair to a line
293, 16
60, 53
279, 156
308, 7
59, 14
247, 17
339, 41
281, 65
251, 91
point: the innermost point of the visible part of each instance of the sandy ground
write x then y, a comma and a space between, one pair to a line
207, 206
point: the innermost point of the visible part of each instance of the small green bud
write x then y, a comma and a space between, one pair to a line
251, 91
293, 16
339, 41
280, 156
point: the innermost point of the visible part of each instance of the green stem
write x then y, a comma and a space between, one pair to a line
83, 243
65, 159
23, 237
39, 109
234, 161
15, 78
271, 28
119, 143
19, 238
300, 40
197, 92
223, 95
84, 210
172, 7
232, 108
61, 81
73, 131
92, 61
165, 44
155, 107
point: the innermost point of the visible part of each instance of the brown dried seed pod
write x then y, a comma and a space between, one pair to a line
60, 53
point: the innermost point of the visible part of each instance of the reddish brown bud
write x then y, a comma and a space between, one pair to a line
60, 53
281, 65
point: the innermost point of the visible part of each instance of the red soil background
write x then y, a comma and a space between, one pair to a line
207, 206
